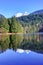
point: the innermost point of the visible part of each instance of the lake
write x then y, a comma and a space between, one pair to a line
21, 49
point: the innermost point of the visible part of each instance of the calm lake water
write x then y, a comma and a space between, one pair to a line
21, 50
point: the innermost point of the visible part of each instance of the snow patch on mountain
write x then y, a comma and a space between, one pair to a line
21, 14
26, 13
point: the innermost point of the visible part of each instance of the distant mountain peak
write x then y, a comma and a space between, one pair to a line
21, 14
37, 12
26, 13
1, 16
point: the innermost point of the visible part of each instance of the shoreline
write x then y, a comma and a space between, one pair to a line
21, 33
9, 33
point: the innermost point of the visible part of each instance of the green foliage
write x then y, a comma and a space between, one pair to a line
9, 22
4, 25
32, 22
16, 27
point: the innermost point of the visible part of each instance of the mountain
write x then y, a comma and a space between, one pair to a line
38, 12
32, 22
32, 17
1, 16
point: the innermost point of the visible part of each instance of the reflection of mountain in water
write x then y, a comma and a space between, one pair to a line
27, 42
38, 51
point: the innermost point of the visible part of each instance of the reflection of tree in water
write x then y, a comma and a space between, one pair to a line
4, 42
16, 41
19, 41
12, 41
32, 42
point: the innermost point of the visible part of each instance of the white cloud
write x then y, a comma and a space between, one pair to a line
26, 13
19, 14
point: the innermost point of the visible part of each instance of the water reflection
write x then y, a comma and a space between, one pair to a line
22, 51
33, 42
27, 42
10, 57
16, 41
11, 42
4, 42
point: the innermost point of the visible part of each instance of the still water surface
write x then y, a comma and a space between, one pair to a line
21, 50
10, 57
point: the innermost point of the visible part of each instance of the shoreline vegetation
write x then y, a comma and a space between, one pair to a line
20, 26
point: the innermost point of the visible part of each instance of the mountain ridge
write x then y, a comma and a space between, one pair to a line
32, 16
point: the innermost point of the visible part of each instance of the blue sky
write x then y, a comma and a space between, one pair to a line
10, 7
